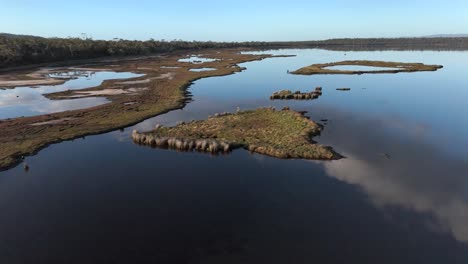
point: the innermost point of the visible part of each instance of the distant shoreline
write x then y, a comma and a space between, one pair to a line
18, 51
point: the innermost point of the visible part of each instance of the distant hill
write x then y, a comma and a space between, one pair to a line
447, 36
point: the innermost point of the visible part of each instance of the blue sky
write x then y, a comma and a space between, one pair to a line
237, 20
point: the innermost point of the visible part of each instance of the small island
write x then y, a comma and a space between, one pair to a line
298, 95
282, 134
396, 67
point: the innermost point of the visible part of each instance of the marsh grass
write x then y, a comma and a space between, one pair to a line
400, 67
20, 137
282, 134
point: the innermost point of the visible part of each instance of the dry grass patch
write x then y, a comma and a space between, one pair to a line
399, 67
281, 134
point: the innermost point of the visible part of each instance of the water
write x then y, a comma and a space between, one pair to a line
202, 69
400, 196
359, 68
30, 101
196, 59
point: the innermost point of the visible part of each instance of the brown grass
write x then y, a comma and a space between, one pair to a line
402, 67
20, 137
297, 95
282, 134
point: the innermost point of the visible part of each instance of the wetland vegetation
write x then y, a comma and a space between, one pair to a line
159, 90
282, 134
297, 95
395, 67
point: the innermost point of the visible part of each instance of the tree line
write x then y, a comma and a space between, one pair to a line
18, 50
362, 44
23, 50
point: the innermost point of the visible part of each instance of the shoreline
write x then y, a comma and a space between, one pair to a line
21, 138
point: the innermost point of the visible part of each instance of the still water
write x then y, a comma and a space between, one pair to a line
399, 196
30, 101
196, 59
202, 69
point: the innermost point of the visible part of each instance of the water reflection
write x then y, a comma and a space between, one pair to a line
196, 60
396, 166
398, 160
203, 69
400, 196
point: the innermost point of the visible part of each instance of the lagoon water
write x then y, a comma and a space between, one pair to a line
30, 101
399, 196
202, 69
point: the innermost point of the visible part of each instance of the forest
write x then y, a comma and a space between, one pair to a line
20, 50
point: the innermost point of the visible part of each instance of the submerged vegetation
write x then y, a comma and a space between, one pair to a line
397, 67
281, 134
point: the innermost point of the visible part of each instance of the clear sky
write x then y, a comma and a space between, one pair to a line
236, 20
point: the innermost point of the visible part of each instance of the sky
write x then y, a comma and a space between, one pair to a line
238, 20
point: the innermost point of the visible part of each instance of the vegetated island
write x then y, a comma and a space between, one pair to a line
163, 87
297, 95
398, 67
282, 134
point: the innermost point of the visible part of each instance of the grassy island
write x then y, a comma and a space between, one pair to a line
297, 95
282, 134
398, 67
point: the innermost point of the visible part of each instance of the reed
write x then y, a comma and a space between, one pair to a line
281, 134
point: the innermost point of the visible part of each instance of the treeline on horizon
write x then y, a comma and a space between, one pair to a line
19, 50
360, 44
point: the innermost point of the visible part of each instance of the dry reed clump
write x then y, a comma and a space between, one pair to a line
182, 144
297, 95
282, 134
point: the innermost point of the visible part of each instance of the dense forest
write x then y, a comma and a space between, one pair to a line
18, 50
